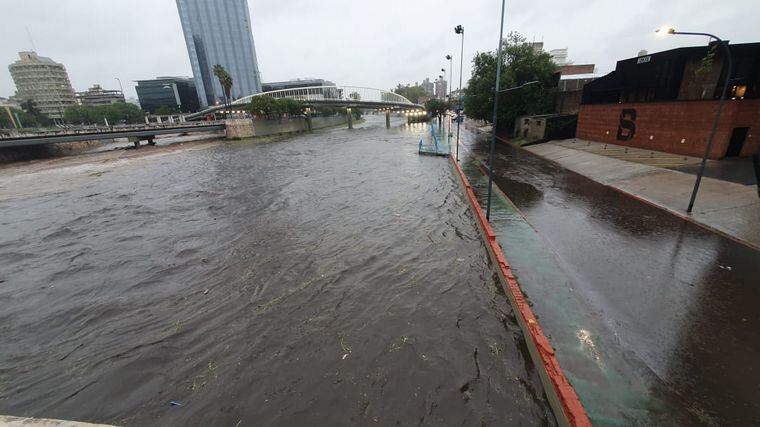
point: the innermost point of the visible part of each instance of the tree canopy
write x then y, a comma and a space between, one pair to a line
436, 107
115, 113
27, 120
225, 80
522, 63
39, 119
271, 107
412, 93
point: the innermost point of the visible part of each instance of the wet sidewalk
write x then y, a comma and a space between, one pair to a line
729, 208
652, 317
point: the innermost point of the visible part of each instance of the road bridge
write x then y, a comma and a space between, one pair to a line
134, 133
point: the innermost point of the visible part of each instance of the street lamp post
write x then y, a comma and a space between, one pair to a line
490, 162
443, 70
495, 109
120, 86
451, 72
459, 30
727, 52
443, 92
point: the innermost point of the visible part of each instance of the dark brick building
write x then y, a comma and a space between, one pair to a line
667, 101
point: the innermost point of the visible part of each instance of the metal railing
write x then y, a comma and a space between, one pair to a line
98, 129
338, 94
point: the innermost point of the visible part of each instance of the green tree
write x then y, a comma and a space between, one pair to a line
26, 120
119, 112
436, 107
226, 81
264, 106
291, 106
355, 96
30, 107
522, 63
165, 111
412, 93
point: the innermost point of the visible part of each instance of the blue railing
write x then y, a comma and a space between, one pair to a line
436, 148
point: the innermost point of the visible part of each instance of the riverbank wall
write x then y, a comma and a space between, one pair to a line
248, 128
20, 154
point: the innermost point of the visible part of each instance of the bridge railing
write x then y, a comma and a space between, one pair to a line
338, 94
97, 129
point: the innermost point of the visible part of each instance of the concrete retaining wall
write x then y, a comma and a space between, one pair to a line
18, 154
249, 128
326, 122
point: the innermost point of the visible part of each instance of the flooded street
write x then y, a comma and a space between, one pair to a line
654, 319
333, 278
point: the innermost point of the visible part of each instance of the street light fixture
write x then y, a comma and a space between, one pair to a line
729, 60
495, 109
459, 30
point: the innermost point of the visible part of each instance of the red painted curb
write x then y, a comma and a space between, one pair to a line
562, 397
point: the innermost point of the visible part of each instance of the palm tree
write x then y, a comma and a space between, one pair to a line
226, 81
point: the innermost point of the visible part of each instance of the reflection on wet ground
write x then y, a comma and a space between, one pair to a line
335, 278
655, 319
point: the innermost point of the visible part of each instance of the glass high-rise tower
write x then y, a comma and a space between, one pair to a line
219, 32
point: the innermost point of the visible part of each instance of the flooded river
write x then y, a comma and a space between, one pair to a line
334, 278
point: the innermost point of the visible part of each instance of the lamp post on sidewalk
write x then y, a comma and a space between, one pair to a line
451, 72
120, 86
727, 52
493, 138
495, 109
459, 30
443, 70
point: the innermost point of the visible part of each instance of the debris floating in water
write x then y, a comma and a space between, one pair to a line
174, 403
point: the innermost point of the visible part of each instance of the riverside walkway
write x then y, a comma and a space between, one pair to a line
653, 318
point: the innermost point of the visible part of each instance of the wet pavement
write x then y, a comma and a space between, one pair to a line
334, 278
654, 319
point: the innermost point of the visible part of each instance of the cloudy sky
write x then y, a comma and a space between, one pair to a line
363, 43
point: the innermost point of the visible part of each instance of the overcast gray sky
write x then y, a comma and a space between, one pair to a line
361, 43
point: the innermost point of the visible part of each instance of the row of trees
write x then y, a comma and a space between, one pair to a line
117, 113
521, 63
30, 116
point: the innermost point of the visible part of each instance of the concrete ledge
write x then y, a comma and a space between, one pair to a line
8, 421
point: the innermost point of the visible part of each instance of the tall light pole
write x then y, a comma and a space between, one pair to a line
451, 72
440, 123
729, 60
490, 163
495, 109
443, 70
120, 86
459, 30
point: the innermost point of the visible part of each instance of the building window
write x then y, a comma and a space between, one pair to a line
738, 91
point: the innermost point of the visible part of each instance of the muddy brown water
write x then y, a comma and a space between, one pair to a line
334, 278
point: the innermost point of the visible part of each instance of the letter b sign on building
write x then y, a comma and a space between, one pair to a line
627, 125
